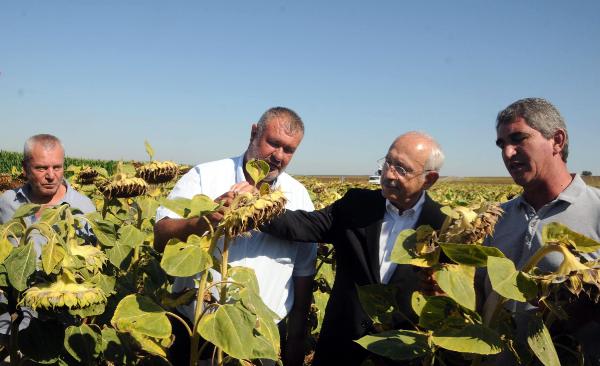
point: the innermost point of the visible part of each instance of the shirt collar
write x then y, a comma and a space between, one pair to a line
569, 194
416, 209
25, 191
573, 190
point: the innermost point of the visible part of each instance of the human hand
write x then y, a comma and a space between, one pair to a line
227, 198
243, 187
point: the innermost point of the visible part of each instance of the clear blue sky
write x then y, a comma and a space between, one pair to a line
191, 76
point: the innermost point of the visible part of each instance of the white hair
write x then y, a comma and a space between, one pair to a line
48, 142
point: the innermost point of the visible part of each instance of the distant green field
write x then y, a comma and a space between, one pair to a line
8, 159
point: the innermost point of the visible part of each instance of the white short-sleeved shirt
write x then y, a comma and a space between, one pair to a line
275, 261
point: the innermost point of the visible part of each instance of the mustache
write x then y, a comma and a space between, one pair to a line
274, 163
389, 183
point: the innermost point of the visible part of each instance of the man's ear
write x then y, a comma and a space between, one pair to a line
559, 140
430, 179
253, 131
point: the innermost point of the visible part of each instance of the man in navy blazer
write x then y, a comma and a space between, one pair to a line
363, 227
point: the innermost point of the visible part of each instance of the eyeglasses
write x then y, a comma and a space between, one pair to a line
384, 163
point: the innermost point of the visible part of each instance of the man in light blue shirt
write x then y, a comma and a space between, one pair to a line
43, 165
533, 138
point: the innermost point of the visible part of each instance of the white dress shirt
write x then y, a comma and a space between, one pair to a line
275, 261
393, 224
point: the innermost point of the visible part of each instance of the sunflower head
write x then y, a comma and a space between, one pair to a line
64, 293
157, 172
469, 226
122, 186
248, 211
87, 175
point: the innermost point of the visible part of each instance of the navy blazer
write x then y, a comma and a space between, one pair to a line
352, 224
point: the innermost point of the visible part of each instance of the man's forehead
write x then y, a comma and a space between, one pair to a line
407, 150
42, 152
282, 124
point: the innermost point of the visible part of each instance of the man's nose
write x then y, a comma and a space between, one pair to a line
50, 174
509, 151
388, 173
278, 154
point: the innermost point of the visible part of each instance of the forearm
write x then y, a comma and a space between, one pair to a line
302, 226
169, 228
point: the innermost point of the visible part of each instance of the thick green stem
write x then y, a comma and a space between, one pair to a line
198, 311
224, 260
531, 263
223, 297
105, 207
541, 253
7, 232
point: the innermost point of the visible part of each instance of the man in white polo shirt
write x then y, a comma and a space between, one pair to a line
284, 269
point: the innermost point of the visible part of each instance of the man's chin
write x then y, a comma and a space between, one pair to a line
270, 178
519, 179
391, 194
47, 192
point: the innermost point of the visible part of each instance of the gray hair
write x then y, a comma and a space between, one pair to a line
293, 123
47, 141
540, 115
436, 158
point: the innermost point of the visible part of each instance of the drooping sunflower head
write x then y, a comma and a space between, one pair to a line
248, 211
122, 186
484, 223
559, 287
469, 226
63, 293
157, 172
87, 175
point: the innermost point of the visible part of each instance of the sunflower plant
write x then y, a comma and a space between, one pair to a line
450, 328
51, 269
442, 328
229, 312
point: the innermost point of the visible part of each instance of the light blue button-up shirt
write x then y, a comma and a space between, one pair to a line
518, 235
